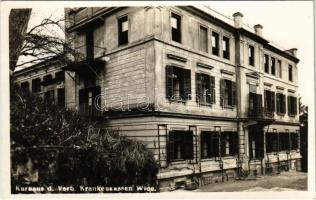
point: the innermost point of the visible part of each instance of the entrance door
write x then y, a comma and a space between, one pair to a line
256, 143
88, 101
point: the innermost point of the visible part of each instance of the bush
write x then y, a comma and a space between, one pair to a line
59, 147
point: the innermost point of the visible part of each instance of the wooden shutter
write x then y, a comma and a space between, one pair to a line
215, 144
208, 87
212, 88
283, 103
234, 94
169, 82
188, 145
187, 84
289, 105
222, 91
170, 152
198, 87
278, 102
259, 101
273, 101
295, 105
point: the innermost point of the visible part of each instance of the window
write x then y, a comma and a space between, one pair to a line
89, 45
123, 30
176, 27
272, 66
215, 43
226, 47
49, 96
280, 103
205, 89
178, 84
292, 105
209, 144
36, 85
61, 97
271, 142
284, 141
256, 142
279, 70
47, 78
180, 145
266, 63
88, 101
203, 39
25, 86
60, 76
294, 141
269, 101
290, 73
251, 55
228, 93
229, 143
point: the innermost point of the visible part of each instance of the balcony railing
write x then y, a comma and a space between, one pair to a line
260, 113
89, 110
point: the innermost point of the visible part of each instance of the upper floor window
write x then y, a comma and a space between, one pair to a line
269, 101
272, 66
48, 77
178, 83
292, 105
228, 93
266, 63
226, 47
280, 103
36, 85
176, 27
89, 45
60, 76
205, 89
203, 39
180, 145
290, 73
25, 86
279, 70
251, 55
123, 30
215, 43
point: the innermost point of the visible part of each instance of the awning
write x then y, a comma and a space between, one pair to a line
85, 66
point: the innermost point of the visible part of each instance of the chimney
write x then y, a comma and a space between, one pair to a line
292, 51
258, 29
238, 19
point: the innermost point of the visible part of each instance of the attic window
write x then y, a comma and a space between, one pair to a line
123, 30
176, 27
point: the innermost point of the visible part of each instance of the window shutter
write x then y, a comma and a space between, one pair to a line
234, 94
289, 103
170, 155
266, 100
212, 88
295, 105
273, 101
222, 91
198, 87
259, 101
215, 143
188, 145
187, 84
208, 93
169, 82
278, 102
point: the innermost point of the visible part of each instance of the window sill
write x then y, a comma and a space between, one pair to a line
281, 114
292, 115
177, 101
228, 107
205, 104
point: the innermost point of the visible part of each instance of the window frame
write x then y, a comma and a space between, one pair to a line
266, 63
227, 46
290, 73
119, 31
251, 58
273, 66
179, 23
182, 136
200, 39
38, 87
217, 42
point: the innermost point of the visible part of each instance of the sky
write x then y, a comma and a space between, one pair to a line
289, 24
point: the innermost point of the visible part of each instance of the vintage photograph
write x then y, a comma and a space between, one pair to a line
160, 98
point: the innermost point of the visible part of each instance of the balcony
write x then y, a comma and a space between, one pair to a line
260, 113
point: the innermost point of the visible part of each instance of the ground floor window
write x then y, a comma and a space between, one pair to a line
294, 141
180, 145
256, 143
271, 142
284, 141
209, 144
229, 143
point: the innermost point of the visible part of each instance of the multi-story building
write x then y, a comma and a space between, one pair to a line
212, 98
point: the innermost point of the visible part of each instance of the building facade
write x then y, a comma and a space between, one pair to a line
211, 98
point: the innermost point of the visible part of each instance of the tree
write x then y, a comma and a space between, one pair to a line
303, 134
